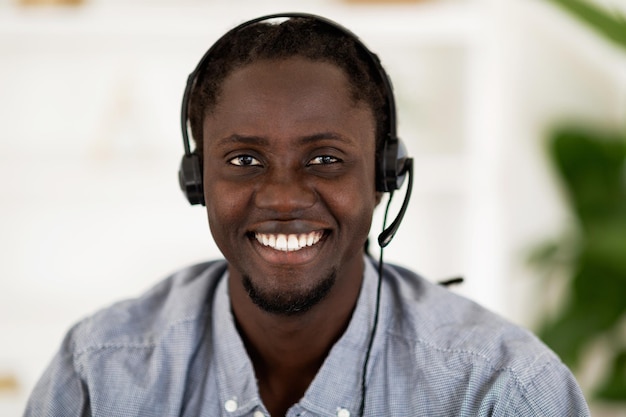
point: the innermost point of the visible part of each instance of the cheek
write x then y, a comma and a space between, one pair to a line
354, 204
226, 212
225, 205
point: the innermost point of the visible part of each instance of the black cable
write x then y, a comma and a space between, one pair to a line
451, 281
376, 313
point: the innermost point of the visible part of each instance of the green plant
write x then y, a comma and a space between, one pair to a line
592, 166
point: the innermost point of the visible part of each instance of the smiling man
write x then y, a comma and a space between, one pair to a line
294, 127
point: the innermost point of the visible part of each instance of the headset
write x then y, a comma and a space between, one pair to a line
392, 163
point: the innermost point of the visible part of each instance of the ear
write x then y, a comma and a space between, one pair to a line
379, 197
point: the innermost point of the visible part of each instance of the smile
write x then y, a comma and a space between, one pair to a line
289, 243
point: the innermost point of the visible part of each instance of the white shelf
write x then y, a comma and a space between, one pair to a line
432, 22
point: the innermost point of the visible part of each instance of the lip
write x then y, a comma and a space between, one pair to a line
287, 227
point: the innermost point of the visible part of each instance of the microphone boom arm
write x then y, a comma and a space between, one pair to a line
385, 237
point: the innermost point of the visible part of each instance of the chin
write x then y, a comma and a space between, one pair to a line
289, 302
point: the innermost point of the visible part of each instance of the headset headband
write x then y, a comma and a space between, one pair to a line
373, 58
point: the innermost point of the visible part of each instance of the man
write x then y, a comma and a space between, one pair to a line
293, 124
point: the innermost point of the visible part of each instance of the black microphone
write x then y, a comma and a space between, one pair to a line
385, 237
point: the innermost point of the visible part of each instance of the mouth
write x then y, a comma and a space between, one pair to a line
289, 242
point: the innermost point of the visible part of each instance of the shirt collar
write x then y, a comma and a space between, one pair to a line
338, 382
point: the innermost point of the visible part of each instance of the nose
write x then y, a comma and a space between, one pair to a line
284, 192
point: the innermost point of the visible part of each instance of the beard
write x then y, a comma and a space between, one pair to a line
289, 303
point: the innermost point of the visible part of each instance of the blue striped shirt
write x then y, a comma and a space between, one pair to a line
176, 352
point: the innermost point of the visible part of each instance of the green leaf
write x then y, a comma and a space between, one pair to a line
610, 25
591, 164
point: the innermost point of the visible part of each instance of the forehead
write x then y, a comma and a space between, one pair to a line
296, 75
285, 92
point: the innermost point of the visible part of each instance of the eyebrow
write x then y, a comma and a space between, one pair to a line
260, 140
248, 140
322, 136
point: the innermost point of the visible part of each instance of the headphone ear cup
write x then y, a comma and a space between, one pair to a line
391, 170
190, 178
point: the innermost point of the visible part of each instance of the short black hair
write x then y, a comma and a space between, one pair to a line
304, 37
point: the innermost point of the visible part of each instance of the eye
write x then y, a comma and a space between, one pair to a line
244, 160
324, 160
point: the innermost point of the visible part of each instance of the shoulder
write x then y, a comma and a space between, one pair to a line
471, 350
133, 355
178, 300
439, 319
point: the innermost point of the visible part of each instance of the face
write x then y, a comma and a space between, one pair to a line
289, 181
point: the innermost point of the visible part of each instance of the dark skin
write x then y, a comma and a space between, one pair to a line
289, 153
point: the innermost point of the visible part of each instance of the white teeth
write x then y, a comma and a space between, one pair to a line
290, 242
281, 242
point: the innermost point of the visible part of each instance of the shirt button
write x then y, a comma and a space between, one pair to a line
258, 414
231, 406
342, 412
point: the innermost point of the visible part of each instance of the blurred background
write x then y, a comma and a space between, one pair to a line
515, 112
